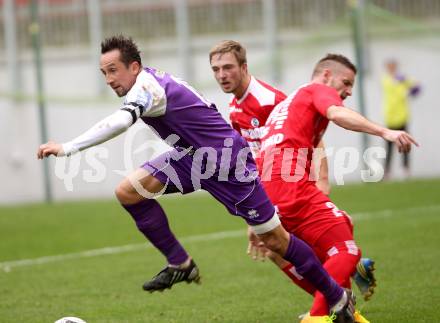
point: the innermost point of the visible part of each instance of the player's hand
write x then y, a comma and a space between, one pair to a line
402, 139
323, 185
256, 248
50, 148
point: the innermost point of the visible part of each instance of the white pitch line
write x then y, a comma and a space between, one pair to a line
390, 212
8, 265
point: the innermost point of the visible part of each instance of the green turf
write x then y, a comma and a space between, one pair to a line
404, 241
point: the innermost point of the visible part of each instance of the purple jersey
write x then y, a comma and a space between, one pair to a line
177, 109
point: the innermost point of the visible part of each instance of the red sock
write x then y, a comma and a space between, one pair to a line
340, 266
290, 271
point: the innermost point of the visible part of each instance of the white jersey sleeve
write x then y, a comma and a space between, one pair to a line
104, 130
146, 98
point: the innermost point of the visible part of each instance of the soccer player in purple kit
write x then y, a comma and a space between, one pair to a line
202, 142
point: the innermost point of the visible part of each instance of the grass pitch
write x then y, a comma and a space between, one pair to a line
397, 224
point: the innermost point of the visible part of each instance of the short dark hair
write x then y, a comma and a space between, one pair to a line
329, 59
229, 46
126, 46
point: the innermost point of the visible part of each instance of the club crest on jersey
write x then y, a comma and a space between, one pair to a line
255, 122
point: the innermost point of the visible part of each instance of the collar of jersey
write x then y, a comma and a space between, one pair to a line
251, 83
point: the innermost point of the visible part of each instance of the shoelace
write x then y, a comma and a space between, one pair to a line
331, 318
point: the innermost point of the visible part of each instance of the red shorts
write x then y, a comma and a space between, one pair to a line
304, 210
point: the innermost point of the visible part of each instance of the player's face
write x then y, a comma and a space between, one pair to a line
229, 74
118, 76
392, 67
342, 79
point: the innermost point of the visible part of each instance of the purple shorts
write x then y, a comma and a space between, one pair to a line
242, 198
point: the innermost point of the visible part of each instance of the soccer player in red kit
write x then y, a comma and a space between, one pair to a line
253, 99
292, 131
248, 111
250, 107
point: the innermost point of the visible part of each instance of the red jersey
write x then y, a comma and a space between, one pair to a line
250, 112
294, 128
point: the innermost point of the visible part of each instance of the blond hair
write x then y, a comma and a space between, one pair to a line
230, 46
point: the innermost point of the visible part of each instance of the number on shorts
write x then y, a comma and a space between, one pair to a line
334, 209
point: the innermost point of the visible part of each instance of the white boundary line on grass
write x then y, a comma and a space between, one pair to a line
6, 266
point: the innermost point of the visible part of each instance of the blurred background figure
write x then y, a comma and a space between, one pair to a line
397, 89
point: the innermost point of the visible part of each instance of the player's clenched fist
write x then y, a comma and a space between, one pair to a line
50, 148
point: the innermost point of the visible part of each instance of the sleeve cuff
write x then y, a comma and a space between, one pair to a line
68, 149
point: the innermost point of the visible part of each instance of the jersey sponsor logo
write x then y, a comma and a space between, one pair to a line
235, 109
251, 133
279, 114
272, 141
255, 145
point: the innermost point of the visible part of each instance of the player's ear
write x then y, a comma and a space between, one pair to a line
135, 67
244, 66
326, 74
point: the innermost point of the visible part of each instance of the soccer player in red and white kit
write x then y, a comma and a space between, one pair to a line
250, 107
292, 131
253, 99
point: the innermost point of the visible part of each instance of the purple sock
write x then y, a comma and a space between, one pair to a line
153, 223
307, 265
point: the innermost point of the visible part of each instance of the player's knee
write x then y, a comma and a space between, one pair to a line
121, 194
125, 193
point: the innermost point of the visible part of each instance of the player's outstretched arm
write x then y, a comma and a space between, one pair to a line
104, 130
351, 120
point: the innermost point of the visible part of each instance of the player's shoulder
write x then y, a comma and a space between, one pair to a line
268, 86
320, 88
264, 93
301, 91
145, 89
148, 76
317, 87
